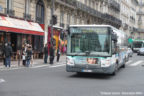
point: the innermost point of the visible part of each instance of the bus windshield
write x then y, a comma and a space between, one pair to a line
137, 44
95, 41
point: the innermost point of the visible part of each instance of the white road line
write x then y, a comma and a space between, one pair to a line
2, 80
40, 66
136, 63
130, 61
57, 65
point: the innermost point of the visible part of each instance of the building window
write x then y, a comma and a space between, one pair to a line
9, 4
27, 6
40, 12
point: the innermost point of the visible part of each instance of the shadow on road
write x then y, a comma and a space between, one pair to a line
91, 76
97, 75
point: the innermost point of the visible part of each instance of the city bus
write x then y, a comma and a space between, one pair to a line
137, 44
95, 49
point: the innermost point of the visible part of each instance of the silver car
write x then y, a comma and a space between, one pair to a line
141, 51
130, 52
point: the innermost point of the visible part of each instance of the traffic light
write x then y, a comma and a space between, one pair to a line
54, 17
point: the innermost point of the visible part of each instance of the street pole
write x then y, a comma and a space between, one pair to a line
52, 12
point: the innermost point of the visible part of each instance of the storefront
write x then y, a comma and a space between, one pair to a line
59, 38
18, 32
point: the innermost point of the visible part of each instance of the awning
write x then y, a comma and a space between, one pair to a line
20, 26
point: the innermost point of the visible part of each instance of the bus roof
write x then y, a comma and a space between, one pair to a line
136, 40
90, 26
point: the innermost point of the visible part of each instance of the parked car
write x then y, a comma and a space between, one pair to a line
130, 52
141, 51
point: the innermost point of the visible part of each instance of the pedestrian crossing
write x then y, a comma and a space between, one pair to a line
133, 63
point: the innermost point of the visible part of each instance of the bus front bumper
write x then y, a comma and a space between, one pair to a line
105, 70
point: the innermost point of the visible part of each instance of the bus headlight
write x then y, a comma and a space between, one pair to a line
70, 61
105, 63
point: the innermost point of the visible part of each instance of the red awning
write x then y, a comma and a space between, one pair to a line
20, 26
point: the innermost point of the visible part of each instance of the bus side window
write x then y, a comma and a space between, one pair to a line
113, 48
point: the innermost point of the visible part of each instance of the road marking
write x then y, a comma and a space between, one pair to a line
130, 61
57, 65
2, 80
39, 66
136, 63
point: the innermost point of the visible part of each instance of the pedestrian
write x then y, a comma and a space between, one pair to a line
7, 54
45, 53
58, 54
28, 56
24, 54
51, 54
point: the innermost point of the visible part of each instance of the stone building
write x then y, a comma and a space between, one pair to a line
140, 13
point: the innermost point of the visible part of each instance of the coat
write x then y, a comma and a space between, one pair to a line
7, 51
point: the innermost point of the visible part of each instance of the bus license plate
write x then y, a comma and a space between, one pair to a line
86, 70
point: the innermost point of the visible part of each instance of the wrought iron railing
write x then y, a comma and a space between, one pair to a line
112, 19
114, 5
88, 9
69, 2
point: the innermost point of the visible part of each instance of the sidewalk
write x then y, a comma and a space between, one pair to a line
36, 62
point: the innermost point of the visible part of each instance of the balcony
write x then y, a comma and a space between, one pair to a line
9, 12
125, 26
68, 3
112, 19
88, 10
27, 16
140, 13
113, 4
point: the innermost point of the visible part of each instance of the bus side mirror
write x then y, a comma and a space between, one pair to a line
114, 37
68, 30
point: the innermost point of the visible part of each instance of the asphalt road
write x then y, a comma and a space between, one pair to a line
55, 81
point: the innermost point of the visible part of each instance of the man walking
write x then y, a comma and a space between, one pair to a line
45, 53
58, 54
7, 54
51, 54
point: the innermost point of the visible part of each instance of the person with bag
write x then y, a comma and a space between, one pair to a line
28, 56
7, 54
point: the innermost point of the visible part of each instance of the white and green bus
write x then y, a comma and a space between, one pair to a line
96, 49
137, 44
